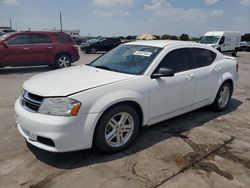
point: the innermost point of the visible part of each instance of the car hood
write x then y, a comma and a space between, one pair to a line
71, 80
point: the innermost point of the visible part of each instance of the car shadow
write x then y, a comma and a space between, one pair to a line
24, 70
147, 137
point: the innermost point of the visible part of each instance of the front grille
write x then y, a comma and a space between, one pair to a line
31, 101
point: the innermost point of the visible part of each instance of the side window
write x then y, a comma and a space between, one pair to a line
19, 39
176, 60
39, 38
201, 57
63, 38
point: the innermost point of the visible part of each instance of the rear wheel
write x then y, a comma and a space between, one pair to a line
117, 128
223, 97
93, 50
234, 54
62, 61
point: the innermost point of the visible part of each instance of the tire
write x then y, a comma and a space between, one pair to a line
62, 61
111, 135
234, 54
223, 97
93, 50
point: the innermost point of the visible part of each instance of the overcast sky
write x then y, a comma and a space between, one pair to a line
128, 17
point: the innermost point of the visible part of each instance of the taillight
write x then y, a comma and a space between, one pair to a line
76, 47
237, 67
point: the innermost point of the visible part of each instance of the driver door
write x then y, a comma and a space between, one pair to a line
171, 95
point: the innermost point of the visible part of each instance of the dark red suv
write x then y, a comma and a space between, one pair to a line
55, 49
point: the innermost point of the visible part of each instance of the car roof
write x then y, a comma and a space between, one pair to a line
160, 43
38, 32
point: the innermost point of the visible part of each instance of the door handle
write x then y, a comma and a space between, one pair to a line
189, 76
26, 48
49, 47
217, 69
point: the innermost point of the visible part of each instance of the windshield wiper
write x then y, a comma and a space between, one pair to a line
104, 67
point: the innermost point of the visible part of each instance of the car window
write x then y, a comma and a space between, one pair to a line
39, 38
201, 57
63, 38
19, 39
176, 60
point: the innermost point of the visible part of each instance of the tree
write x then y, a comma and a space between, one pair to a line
184, 37
129, 37
245, 37
157, 37
166, 36
173, 37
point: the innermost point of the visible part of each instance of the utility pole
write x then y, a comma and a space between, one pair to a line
61, 22
10, 24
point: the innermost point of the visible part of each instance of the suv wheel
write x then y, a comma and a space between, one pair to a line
93, 50
223, 97
117, 128
63, 60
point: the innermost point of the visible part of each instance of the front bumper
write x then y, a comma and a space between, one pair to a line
66, 133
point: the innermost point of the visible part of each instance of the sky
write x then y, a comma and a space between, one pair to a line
129, 17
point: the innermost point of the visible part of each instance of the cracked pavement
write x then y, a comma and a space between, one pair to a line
202, 149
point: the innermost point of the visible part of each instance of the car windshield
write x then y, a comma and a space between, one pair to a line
209, 39
130, 59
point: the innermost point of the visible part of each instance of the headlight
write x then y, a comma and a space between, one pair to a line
59, 106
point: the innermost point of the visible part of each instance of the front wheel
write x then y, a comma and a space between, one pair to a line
116, 129
223, 97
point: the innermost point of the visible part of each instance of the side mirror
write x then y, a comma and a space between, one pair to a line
4, 43
163, 72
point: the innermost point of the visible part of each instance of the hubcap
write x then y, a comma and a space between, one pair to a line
119, 129
224, 96
63, 62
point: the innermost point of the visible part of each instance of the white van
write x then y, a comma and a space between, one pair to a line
224, 41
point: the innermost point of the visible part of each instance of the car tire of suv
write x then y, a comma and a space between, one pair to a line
62, 61
116, 129
93, 50
223, 97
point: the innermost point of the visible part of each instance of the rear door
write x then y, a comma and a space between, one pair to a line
41, 49
206, 73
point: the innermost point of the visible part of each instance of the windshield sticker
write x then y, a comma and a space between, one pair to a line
142, 53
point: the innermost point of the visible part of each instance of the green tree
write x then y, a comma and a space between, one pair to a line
184, 37
245, 37
157, 37
166, 36
173, 37
129, 37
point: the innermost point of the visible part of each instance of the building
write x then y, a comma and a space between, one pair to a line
6, 29
72, 33
145, 36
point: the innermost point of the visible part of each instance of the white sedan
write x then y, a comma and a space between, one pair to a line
136, 84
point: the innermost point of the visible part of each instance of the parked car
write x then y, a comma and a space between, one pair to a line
136, 84
224, 41
55, 49
100, 44
244, 46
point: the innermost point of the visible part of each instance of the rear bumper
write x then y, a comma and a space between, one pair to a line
75, 57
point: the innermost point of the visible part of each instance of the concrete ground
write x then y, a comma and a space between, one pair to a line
201, 149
